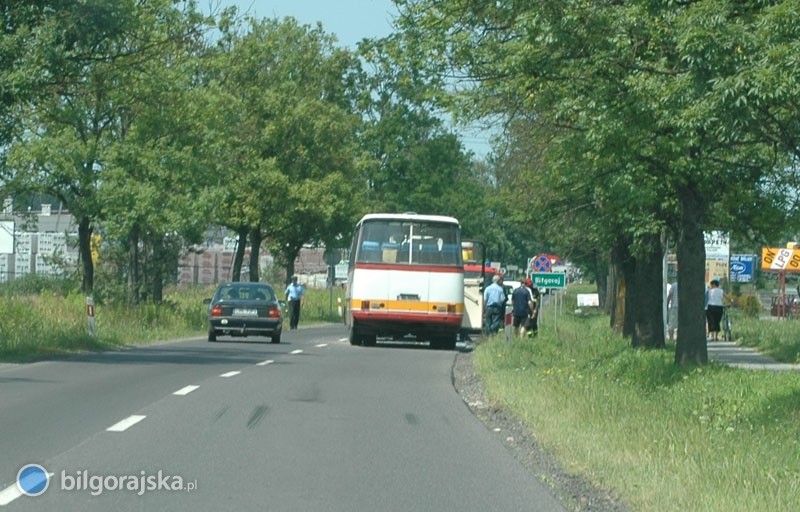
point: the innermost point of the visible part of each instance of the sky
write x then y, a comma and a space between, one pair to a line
350, 21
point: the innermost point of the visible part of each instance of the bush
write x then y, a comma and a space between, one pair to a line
750, 306
35, 284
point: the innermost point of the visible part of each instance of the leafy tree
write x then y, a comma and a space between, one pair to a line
89, 57
415, 163
281, 137
626, 89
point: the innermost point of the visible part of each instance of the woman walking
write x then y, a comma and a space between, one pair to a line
714, 309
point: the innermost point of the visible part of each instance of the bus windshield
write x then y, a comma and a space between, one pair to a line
409, 242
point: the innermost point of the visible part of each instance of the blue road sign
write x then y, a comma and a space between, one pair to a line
742, 268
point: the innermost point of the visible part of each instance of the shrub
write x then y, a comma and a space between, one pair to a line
750, 306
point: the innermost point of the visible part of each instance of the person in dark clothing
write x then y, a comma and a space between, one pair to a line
521, 301
533, 321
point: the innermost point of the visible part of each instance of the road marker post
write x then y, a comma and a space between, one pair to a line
90, 315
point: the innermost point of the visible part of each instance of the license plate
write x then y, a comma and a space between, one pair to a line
245, 312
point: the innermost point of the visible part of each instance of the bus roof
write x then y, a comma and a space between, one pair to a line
409, 217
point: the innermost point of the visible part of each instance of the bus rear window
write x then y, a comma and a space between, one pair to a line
410, 243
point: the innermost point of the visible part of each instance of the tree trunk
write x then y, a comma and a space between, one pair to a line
290, 255
255, 250
629, 297
622, 271
134, 267
691, 348
649, 296
85, 252
238, 256
612, 304
158, 267
601, 279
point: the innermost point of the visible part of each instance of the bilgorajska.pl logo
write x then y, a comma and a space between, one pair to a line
97, 484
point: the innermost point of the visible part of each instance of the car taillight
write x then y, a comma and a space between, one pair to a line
273, 312
216, 310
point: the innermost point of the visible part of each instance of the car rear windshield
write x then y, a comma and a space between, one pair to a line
247, 293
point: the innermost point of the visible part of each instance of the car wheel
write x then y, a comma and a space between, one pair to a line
212, 335
369, 340
276, 338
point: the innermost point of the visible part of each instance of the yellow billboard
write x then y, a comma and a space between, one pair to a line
717, 269
779, 258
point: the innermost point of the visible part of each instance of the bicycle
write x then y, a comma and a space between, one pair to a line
726, 325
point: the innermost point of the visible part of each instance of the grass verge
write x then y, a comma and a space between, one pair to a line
660, 437
51, 322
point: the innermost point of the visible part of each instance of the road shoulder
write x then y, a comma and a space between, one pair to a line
573, 490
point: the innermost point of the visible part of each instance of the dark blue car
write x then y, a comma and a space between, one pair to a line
244, 309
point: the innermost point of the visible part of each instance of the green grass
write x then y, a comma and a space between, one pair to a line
660, 437
43, 320
779, 339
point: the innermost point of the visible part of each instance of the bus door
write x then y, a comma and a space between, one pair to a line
473, 252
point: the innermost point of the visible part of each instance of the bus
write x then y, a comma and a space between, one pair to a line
405, 277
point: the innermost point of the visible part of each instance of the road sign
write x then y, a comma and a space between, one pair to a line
777, 258
549, 279
332, 256
742, 266
541, 263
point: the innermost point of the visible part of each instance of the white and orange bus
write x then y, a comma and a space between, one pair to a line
405, 277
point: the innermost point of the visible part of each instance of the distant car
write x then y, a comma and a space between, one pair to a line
244, 309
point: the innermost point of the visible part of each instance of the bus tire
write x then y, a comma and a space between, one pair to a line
354, 336
369, 340
444, 342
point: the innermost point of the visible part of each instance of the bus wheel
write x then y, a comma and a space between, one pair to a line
444, 342
354, 336
369, 340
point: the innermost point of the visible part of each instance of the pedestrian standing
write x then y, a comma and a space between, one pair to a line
295, 294
494, 299
714, 309
672, 311
533, 321
522, 305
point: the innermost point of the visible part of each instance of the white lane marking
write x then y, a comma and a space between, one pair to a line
185, 390
230, 374
9, 494
12, 492
265, 363
321, 345
342, 339
296, 352
125, 424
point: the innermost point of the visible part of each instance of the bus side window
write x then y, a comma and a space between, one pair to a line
370, 252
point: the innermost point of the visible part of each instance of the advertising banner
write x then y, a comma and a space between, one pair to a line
742, 268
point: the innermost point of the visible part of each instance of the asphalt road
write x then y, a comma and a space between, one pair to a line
310, 424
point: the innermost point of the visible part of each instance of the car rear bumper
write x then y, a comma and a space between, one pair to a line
246, 326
